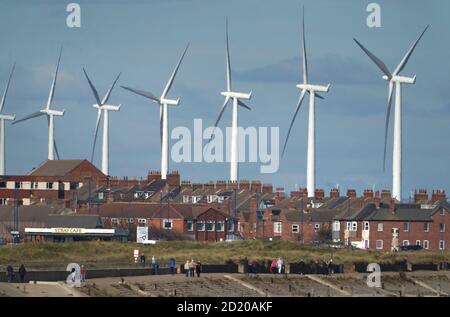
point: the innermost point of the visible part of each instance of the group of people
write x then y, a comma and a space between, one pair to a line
277, 266
10, 273
192, 267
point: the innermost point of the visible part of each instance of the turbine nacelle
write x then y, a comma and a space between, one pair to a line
237, 95
401, 79
107, 107
7, 117
310, 87
51, 112
169, 102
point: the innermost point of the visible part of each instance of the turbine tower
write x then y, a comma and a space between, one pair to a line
236, 97
102, 107
4, 117
397, 79
163, 102
306, 87
50, 113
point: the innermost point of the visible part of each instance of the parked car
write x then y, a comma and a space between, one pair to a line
411, 248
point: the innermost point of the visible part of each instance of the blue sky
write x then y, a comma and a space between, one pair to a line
144, 39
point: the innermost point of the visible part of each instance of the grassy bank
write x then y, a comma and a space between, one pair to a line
110, 254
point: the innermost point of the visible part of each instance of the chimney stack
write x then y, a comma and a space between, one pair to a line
221, 185
244, 184
233, 185
279, 196
421, 196
351, 193
334, 193
185, 185
209, 185
385, 194
319, 194
377, 199
368, 193
256, 186
438, 195
267, 189
153, 176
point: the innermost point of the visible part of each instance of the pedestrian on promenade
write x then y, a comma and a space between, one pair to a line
143, 259
192, 265
273, 266
22, 273
280, 264
186, 268
82, 273
198, 268
172, 265
155, 265
10, 273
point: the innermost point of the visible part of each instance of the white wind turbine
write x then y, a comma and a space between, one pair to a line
4, 117
395, 78
311, 89
102, 107
163, 102
236, 96
50, 113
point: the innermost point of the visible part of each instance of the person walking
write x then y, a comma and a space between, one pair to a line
172, 265
82, 273
143, 260
22, 273
330, 266
192, 268
10, 273
198, 268
273, 266
186, 268
280, 265
155, 265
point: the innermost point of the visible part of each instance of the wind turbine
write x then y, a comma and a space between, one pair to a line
4, 117
50, 113
306, 87
236, 96
102, 107
397, 79
163, 102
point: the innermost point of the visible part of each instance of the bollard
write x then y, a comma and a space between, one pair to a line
402, 292
175, 292
328, 292
271, 280
156, 286
290, 288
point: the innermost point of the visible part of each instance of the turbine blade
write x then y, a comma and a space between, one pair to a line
228, 60
56, 149
408, 53
227, 99
305, 61
242, 104
299, 103
142, 93
97, 124
94, 91
33, 115
174, 73
108, 93
386, 126
2, 103
52, 89
160, 124
376, 60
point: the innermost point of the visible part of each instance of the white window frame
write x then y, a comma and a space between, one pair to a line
442, 212
49, 185
20, 185
100, 195
295, 228
418, 243
405, 243
167, 221
426, 244
3, 201
230, 226
380, 226
130, 220
442, 227
354, 226
223, 226
203, 227
115, 221
142, 221
192, 225
34, 185
366, 225
277, 227
186, 199
336, 226
441, 244
379, 247
213, 225
407, 225
427, 228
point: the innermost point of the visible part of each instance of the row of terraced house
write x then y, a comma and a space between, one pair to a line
221, 210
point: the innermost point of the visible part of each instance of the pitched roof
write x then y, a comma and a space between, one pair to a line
55, 168
74, 221
33, 213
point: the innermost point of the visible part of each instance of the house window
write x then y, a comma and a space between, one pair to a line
168, 223
240, 227
115, 221
336, 226
418, 242
210, 225
277, 227
49, 185
426, 244
142, 220
3, 201
2, 184
442, 212
230, 226
442, 227
295, 228
354, 225
405, 226
220, 225
441, 244
366, 225
200, 226
130, 220
100, 195
17, 185
426, 227
379, 244
34, 185
405, 243
190, 225
380, 227
73, 185
316, 227
195, 199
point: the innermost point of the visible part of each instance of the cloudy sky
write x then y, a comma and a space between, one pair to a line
144, 39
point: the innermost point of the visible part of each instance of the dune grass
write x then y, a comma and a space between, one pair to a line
112, 254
